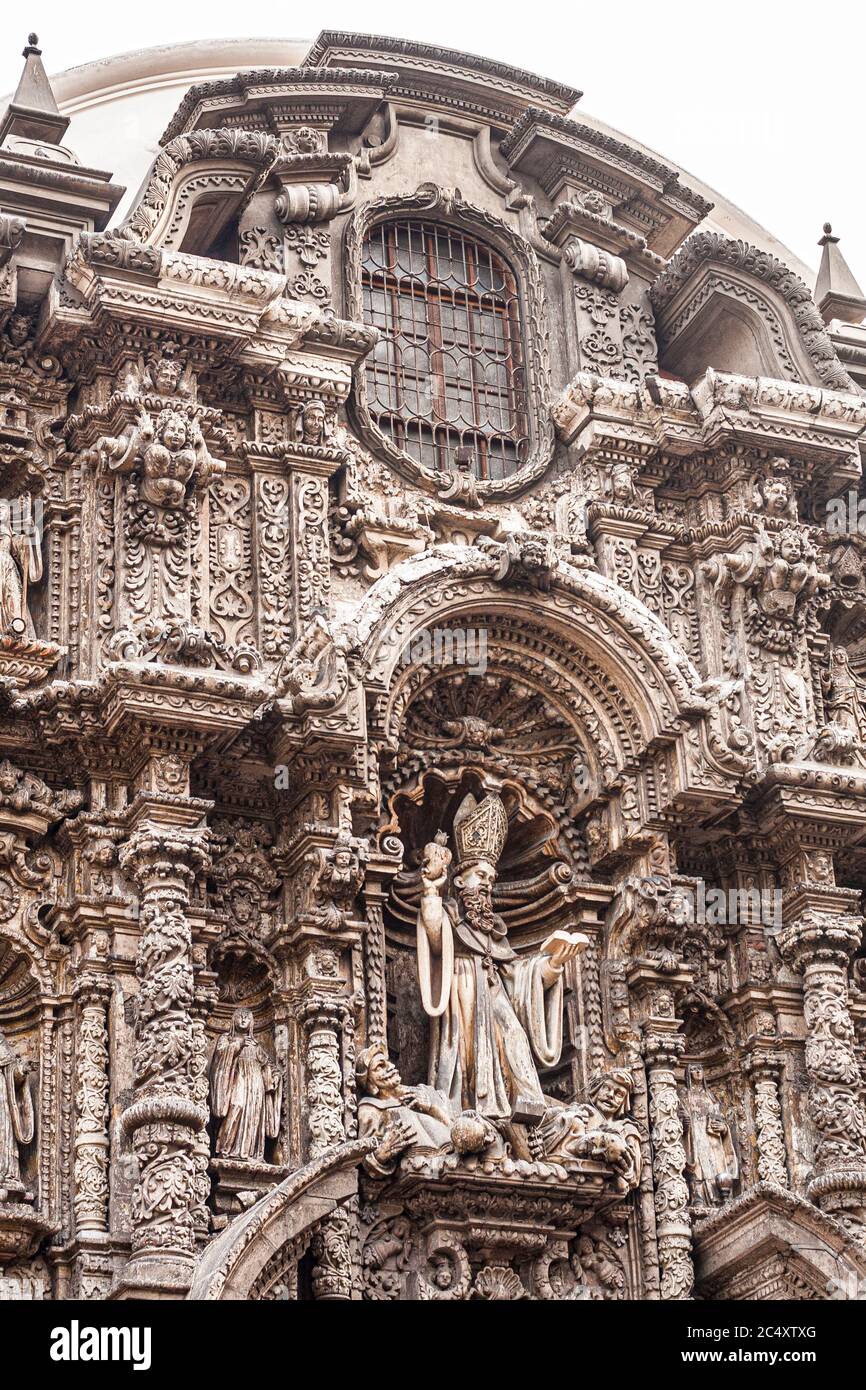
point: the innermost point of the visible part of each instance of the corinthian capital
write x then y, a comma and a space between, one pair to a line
828, 938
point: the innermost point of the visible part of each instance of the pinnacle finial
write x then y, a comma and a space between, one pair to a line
33, 113
837, 293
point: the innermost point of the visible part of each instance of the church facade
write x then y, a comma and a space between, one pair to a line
433, 729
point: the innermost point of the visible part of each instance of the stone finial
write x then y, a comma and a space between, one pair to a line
837, 293
33, 113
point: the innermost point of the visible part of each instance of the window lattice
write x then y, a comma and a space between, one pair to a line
448, 370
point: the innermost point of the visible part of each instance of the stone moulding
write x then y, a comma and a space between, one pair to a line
422, 60
626, 156
175, 179
773, 1221
719, 409
676, 297
208, 99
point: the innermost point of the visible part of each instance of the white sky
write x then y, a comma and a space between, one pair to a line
762, 99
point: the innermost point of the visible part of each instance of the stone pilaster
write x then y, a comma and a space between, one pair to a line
663, 1044
310, 545
765, 1069
92, 992
822, 930
166, 848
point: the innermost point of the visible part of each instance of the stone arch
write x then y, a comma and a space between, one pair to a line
623, 684
588, 637
232, 1263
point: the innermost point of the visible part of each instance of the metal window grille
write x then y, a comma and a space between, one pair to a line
448, 370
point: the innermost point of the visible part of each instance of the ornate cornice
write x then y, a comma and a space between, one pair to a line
264, 82
332, 47
607, 145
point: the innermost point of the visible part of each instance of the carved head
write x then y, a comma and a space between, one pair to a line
165, 374
242, 1021
679, 908
777, 496
611, 1092
314, 422
375, 1073
18, 330
175, 431
622, 483
790, 546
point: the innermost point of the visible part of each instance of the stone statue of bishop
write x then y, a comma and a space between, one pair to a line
496, 1016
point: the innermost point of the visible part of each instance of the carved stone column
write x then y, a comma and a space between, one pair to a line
663, 1045
822, 931
166, 848
374, 961
765, 1069
322, 1022
92, 992
322, 1019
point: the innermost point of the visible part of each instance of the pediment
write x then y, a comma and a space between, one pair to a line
727, 305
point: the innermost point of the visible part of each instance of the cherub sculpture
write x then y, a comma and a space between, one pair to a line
335, 876
168, 452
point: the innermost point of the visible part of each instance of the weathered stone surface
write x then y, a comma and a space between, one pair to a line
433, 738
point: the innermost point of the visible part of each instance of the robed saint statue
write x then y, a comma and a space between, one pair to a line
496, 1016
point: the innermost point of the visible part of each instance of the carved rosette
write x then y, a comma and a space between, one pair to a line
819, 945
167, 1118
91, 1144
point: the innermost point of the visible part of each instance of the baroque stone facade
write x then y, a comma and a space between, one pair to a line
433, 728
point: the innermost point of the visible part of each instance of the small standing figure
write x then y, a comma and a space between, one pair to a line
20, 564
16, 1118
246, 1092
712, 1162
